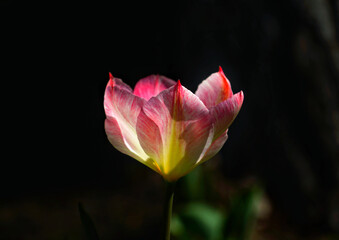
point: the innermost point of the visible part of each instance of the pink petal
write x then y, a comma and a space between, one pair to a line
214, 148
152, 85
173, 129
117, 82
122, 109
215, 89
149, 136
225, 112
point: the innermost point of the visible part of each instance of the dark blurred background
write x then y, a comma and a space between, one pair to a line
57, 55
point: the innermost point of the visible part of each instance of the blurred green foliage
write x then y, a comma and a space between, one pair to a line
199, 218
198, 221
242, 214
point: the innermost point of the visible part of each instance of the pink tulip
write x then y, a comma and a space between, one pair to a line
167, 127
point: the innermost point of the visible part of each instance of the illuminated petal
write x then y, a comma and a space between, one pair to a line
215, 147
122, 109
173, 129
225, 112
117, 82
152, 85
215, 89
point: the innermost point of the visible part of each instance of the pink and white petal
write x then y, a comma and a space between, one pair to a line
179, 124
150, 138
225, 112
214, 148
122, 109
195, 136
116, 138
152, 85
117, 82
120, 103
215, 89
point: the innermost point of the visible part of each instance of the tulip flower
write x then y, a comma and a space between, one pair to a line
167, 127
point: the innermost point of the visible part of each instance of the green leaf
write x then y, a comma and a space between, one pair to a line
242, 214
87, 224
198, 221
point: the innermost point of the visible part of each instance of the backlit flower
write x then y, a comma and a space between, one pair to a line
167, 127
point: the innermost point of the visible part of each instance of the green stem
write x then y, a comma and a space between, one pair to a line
168, 208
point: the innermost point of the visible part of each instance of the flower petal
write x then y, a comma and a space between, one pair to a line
173, 129
215, 89
122, 109
152, 85
225, 112
117, 82
214, 148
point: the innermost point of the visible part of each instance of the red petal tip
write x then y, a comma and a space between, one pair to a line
220, 70
179, 83
110, 81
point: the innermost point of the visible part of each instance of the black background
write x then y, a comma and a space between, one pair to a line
57, 57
